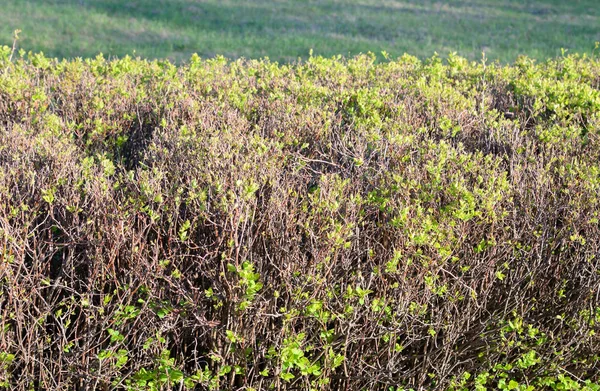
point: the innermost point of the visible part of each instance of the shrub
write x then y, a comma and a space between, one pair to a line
333, 224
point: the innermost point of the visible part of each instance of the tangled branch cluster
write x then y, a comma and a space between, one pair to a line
333, 225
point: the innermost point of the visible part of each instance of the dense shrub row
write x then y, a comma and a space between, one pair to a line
331, 225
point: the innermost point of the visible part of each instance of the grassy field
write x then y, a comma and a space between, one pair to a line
287, 29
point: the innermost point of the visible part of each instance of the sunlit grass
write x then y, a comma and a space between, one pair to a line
285, 30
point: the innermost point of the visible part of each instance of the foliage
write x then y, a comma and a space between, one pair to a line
333, 224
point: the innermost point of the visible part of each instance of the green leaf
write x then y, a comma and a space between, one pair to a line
104, 354
184, 231
6, 358
48, 195
338, 360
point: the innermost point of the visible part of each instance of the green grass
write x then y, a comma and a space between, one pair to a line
284, 30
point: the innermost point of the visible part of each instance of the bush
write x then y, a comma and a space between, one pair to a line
332, 225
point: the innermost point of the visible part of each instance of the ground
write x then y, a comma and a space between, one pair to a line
285, 30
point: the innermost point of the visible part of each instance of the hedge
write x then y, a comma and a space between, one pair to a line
333, 224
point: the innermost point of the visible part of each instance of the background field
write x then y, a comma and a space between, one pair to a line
287, 29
